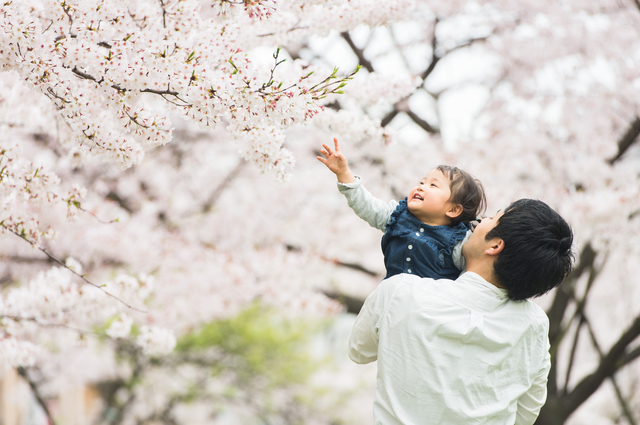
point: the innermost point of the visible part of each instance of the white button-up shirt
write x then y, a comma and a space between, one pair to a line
452, 352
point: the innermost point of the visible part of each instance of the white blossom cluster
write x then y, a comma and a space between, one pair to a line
298, 18
156, 341
17, 353
24, 187
115, 71
377, 88
54, 299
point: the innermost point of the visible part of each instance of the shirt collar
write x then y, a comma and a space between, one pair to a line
475, 278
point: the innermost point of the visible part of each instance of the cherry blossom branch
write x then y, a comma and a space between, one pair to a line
164, 13
115, 220
53, 325
60, 262
78, 205
294, 28
162, 93
318, 91
272, 71
323, 88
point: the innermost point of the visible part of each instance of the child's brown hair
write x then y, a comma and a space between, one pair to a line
466, 191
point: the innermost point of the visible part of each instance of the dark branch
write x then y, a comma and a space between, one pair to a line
403, 106
28, 260
84, 75
434, 56
123, 203
353, 305
355, 266
60, 262
36, 393
389, 117
574, 349
607, 367
364, 62
422, 123
582, 319
168, 91
211, 201
564, 295
629, 357
164, 14
628, 139
623, 403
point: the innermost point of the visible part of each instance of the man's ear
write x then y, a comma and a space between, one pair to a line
495, 246
454, 211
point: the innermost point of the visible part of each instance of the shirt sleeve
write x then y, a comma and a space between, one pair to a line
363, 342
458, 258
530, 403
369, 208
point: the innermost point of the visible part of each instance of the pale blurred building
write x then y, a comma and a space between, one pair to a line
18, 406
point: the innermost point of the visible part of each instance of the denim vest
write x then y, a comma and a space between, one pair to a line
411, 246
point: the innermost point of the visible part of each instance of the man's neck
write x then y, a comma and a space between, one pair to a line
484, 270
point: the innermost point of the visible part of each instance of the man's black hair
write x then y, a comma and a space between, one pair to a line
537, 249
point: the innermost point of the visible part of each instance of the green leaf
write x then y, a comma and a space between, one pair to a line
258, 342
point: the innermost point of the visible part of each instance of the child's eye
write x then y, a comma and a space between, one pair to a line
433, 185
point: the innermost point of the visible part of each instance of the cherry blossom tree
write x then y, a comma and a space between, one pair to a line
119, 246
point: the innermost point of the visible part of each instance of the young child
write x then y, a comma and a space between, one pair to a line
423, 233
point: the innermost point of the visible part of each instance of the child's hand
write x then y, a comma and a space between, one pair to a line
336, 162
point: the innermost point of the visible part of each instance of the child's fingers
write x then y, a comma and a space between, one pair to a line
335, 142
327, 148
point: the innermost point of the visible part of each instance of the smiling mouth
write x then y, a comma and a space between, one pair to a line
416, 196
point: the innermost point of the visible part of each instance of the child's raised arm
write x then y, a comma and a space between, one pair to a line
336, 162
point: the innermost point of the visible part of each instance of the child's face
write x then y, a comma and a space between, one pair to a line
429, 201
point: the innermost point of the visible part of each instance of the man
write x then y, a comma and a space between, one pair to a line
473, 350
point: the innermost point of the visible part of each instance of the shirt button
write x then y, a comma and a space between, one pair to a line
417, 234
421, 230
410, 247
409, 271
408, 258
